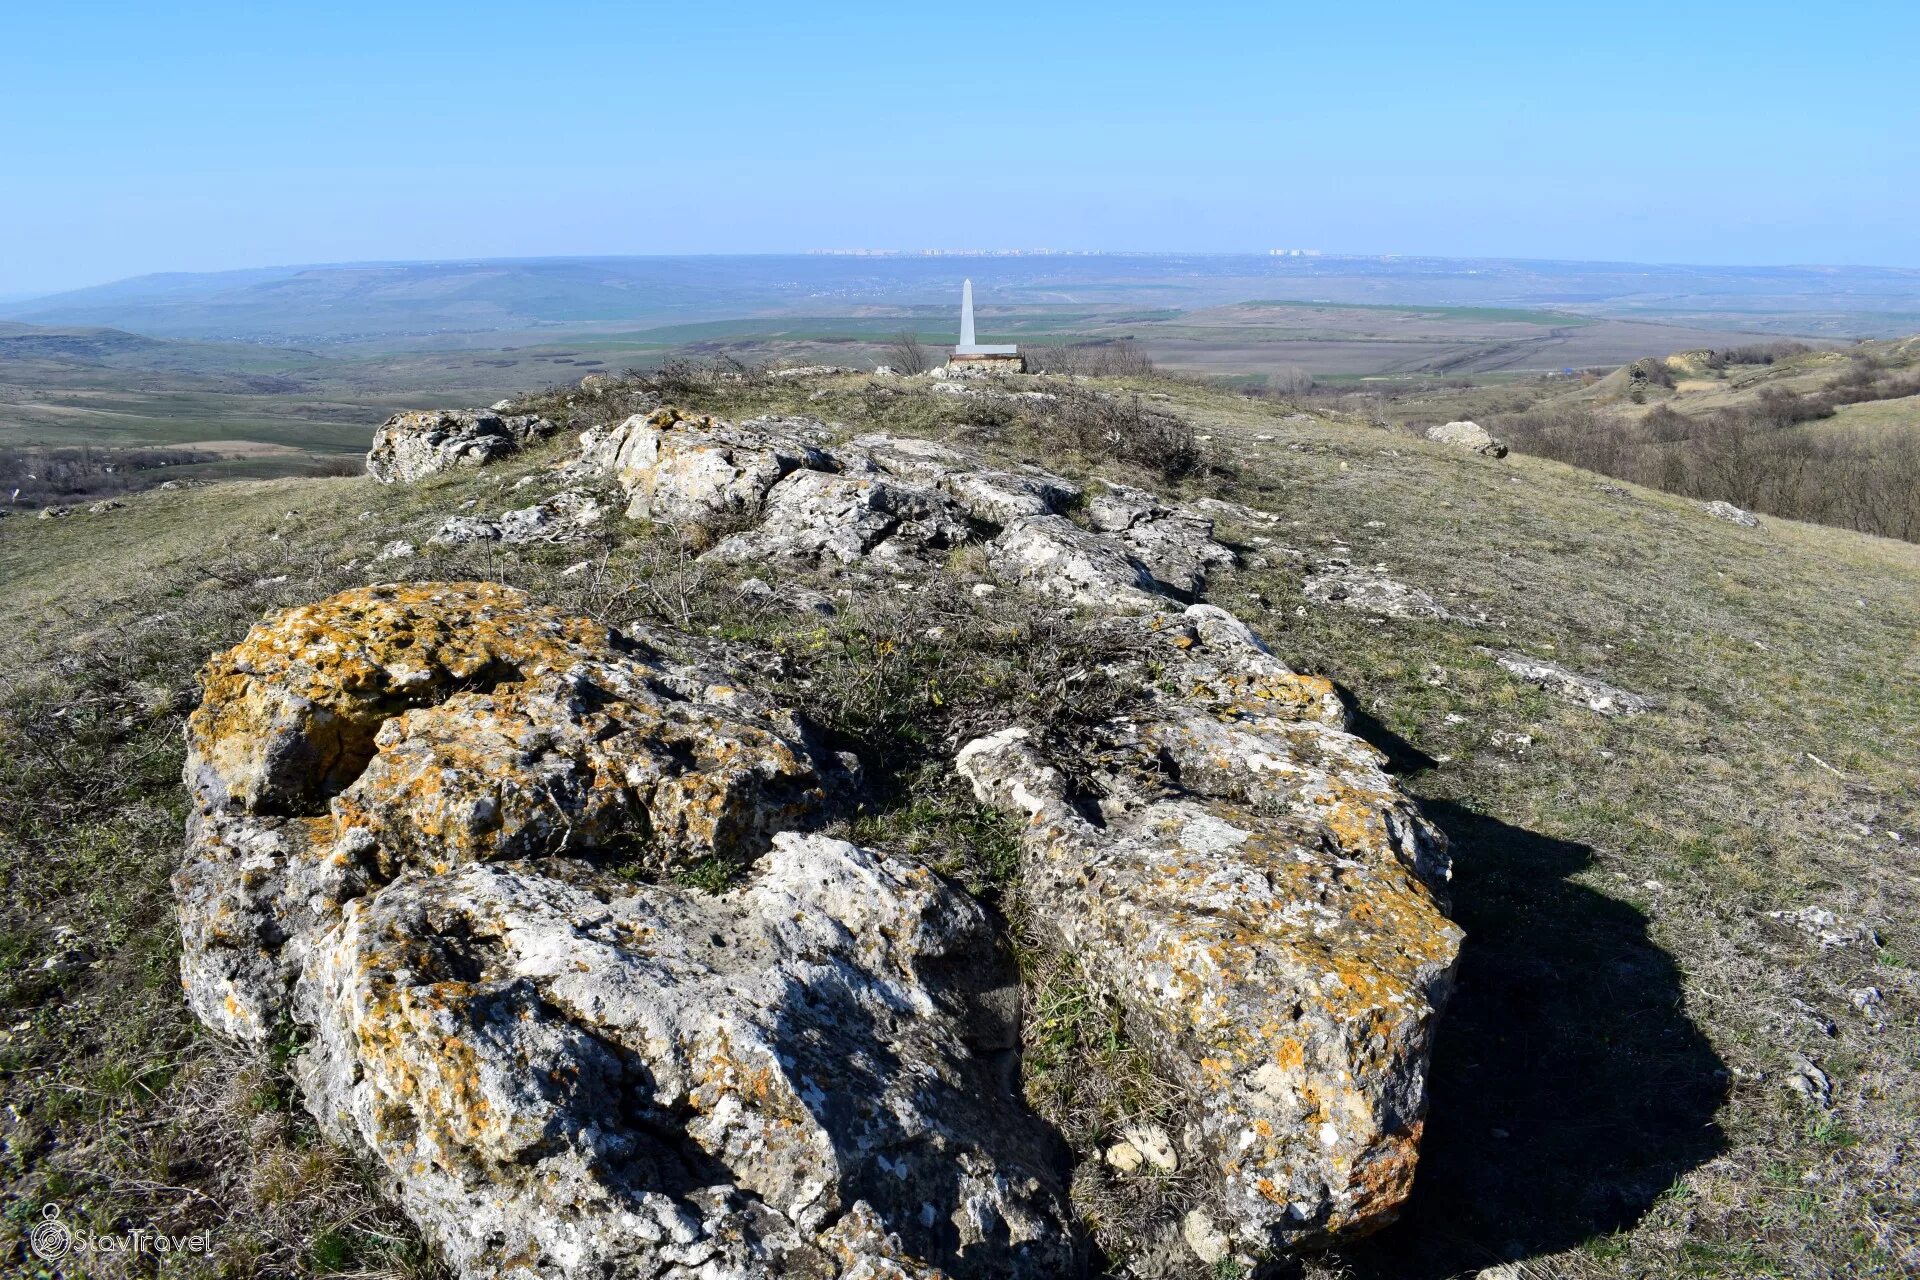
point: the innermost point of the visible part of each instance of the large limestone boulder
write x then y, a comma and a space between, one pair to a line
678, 467
433, 725
430, 828
1272, 923
411, 446
1467, 435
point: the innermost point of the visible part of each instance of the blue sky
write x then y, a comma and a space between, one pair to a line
157, 137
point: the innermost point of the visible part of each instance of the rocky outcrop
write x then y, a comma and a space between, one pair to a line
1589, 691
444, 831
1467, 435
429, 827
411, 446
1264, 903
783, 489
433, 725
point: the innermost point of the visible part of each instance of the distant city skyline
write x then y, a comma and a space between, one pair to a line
210, 136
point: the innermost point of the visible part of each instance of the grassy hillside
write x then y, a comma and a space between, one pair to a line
1613, 1092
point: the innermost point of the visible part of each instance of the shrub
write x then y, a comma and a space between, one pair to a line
1124, 429
1107, 358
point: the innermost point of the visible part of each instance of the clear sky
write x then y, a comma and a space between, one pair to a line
139, 137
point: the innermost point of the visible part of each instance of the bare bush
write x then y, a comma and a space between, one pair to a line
1746, 454
905, 354
1123, 428
1761, 353
1107, 358
36, 476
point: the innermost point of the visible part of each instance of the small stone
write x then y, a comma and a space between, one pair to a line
1208, 1242
1125, 1157
1154, 1145
1809, 1081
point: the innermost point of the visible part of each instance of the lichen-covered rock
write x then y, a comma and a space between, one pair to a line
1590, 691
676, 1084
1053, 556
1467, 435
1269, 919
991, 495
433, 725
825, 515
419, 811
781, 488
411, 446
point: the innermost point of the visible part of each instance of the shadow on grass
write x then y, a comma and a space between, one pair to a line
1569, 1087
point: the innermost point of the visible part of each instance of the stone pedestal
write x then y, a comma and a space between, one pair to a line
975, 364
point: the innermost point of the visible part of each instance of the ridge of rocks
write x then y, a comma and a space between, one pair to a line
436, 827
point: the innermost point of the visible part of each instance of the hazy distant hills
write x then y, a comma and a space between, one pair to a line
381, 302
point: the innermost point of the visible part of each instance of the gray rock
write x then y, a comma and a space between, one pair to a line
1824, 927
409, 802
1350, 586
565, 517
677, 468
1589, 691
1733, 515
1467, 435
1809, 1081
824, 515
676, 1084
1053, 556
1270, 921
411, 446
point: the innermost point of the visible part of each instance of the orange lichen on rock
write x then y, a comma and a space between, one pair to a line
1276, 920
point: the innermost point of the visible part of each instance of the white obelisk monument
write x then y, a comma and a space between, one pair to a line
967, 343
970, 352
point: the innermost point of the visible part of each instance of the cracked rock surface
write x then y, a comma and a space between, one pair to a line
1265, 905
406, 800
412, 446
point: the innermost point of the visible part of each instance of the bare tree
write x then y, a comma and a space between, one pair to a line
905, 354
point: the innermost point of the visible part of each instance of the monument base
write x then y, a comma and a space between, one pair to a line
980, 364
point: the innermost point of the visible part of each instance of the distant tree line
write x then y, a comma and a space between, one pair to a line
1745, 454
36, 476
